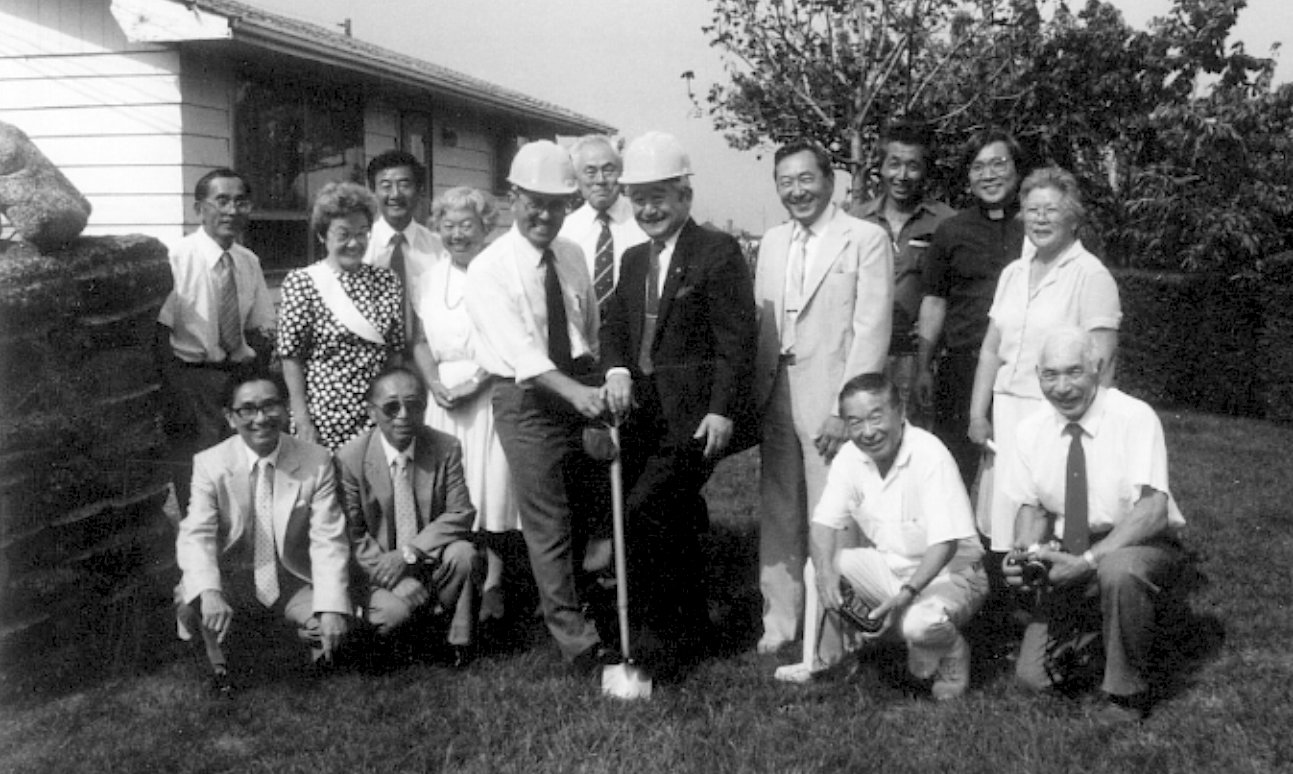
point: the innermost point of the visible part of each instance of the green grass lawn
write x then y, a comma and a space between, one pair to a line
1228, 708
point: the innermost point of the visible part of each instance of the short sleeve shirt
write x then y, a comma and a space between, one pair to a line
964, 260
1122, 440
1078, 290
919, 504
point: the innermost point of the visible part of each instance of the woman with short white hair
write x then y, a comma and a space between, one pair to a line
1055, 283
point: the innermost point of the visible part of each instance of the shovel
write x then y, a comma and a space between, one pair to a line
805, 669
623, 680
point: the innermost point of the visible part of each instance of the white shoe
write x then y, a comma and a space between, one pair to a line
952, 677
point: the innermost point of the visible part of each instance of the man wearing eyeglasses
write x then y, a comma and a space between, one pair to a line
604, 227
217, 317
264, 538
965, 257
532, 305
409, 516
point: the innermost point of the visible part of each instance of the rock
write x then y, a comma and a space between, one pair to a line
43, 205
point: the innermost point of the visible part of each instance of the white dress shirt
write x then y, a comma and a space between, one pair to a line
1122, 439
507, 304
422, 249
192, 310
583, 228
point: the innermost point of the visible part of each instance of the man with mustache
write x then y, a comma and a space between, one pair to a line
824, 288
678, 346
398, 241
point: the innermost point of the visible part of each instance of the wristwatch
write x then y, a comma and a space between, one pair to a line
412, 555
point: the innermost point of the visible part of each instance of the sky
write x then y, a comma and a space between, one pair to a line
621, 61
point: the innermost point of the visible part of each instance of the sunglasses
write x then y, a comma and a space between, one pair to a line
391, 408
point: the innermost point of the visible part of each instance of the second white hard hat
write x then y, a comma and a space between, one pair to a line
543, 167
653, 157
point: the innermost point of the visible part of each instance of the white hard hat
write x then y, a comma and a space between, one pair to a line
653, 157
543, 167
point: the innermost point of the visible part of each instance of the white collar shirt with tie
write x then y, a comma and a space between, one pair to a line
422, 250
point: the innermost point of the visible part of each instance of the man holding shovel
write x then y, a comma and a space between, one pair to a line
678, 344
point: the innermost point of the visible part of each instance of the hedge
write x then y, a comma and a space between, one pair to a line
1209, 342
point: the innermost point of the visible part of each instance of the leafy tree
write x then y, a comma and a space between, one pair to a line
833, 70
1175, 173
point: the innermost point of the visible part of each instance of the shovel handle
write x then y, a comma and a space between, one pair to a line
621, 565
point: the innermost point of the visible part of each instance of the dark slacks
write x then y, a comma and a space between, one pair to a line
953, 387
1126, 589
541, 437
453, 590
194, 419
663, 479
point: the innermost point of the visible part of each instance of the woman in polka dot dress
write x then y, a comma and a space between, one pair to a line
340, 321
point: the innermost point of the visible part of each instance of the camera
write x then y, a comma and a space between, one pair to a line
856, 612
1034, 571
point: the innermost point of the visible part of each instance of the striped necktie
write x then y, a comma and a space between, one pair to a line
604, 263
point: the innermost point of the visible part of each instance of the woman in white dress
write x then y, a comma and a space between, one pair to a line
461, 389
1055, 282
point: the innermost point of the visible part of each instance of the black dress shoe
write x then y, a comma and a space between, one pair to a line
592, 659
219, 686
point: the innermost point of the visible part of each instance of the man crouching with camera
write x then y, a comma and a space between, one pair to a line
1090, 470
919, 568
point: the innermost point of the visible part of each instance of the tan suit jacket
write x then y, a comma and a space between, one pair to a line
844, 324
309, 529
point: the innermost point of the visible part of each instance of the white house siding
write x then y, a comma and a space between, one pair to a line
469, 162
113, 115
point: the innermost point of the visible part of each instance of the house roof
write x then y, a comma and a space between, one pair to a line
294, 37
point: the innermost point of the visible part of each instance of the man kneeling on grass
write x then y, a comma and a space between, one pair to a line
264, 537
1091, 469
918, 568
410, 516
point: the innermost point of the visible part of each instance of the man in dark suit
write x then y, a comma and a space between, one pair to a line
409, 515
678, 344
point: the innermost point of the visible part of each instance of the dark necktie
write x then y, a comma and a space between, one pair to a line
651, 307
604, 263
1077, 528
558, 333
230, 317
397, 266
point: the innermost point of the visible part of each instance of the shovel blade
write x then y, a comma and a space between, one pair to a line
625, 681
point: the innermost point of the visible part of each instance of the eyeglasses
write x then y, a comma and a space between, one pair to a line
241, 204
997, 166
248, 411
1043, 213
343, 236
608, 172
391, 408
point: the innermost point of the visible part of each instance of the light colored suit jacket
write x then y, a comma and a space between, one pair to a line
445, 512
309, 529
844, 324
